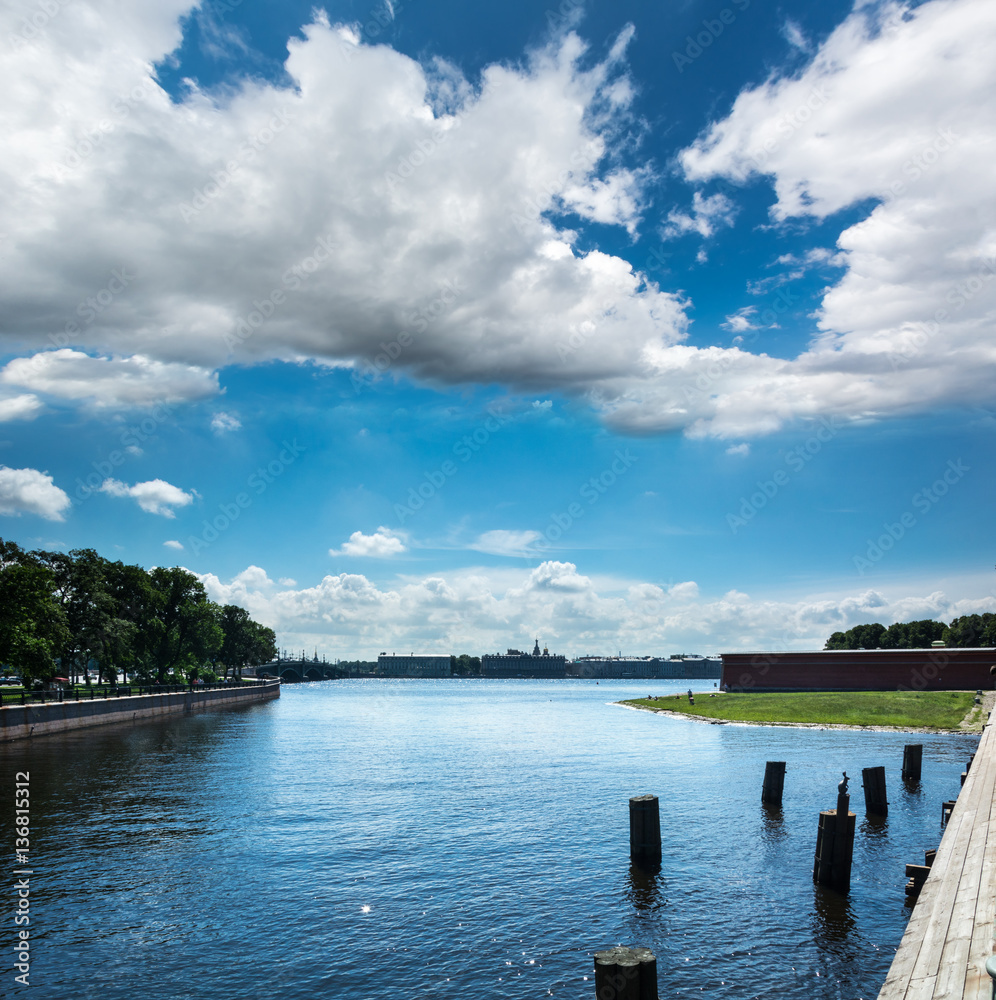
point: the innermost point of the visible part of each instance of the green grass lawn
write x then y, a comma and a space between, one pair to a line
902, 709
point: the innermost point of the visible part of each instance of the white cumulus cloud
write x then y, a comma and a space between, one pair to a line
154, 497
28, 491
477, 610
382, 544
223, 422
374, 193
23, 407
109, 382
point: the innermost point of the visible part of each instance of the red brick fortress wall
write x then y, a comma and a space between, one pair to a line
861, 670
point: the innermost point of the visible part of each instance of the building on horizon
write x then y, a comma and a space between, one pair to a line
622, 667
413, 665
700, 666
516, 663
680, 666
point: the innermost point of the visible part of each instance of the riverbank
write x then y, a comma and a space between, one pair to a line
18, 722
911, 711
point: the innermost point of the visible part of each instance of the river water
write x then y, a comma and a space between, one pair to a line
454, 839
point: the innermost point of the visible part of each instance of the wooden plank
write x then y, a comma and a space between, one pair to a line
950, 933
953, 981
952, 974
978, 985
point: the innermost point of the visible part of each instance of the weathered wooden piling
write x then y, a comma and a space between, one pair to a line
968, 767
645, 830
917, 874
835, 843
774, 783
946, 809
625, 974
873, 782
912, 761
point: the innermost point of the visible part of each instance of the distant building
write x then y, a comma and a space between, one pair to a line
515, 663
415, 665
623, 667
701, 666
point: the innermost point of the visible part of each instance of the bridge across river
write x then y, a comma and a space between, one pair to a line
949, 937
301, 670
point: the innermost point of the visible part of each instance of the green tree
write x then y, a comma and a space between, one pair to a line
912, 635
245, 642
465, 666
130, 634
859, 637
79, 589
186, 625
971, 630
837, 640
78, 607
32, 625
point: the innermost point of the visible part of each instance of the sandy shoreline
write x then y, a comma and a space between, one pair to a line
988, 700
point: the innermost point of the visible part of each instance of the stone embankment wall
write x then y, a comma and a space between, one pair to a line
22, 721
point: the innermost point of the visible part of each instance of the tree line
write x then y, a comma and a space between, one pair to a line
966, 631
463, 665
64, 612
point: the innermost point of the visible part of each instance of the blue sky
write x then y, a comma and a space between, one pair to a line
651, 328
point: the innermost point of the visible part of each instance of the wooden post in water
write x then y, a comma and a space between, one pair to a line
873, 782
645, 830
912, 761
625, 974
774, 782
835, 843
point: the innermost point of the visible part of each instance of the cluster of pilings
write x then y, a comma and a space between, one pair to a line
630, 973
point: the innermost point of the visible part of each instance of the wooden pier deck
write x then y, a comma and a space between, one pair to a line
950, 935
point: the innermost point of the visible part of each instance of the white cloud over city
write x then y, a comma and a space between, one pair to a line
483, 609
